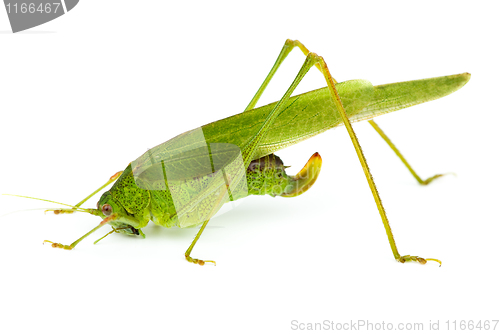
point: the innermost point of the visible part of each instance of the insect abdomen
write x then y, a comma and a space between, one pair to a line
267, 176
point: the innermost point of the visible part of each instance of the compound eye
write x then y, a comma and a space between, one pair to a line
107, 209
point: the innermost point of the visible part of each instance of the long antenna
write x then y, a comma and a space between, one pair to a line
56, 211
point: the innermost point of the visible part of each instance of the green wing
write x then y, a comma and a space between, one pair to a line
193, 153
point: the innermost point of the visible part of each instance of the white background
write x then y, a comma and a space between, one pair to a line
87, 93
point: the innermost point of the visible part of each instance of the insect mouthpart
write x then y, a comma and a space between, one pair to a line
129, 230
134, 230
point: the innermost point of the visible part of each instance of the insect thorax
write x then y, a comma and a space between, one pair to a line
162, 200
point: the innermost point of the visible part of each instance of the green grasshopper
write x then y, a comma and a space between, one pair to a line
184, 181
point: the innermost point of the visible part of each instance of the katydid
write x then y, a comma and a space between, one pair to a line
184, 181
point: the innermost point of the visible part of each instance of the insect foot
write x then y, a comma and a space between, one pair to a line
57, 245
60, 211
196, 261
409, 258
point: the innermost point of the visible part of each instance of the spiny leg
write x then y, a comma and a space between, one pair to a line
287, 48
73, 245
250, 147
213, 211
364, 164
311, 60
76, 242
398, 153
114, 230
188, 252
68, 211
111, 180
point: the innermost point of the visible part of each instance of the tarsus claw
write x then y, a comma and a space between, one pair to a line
58, 245
196, 261
409, 258
60, 211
